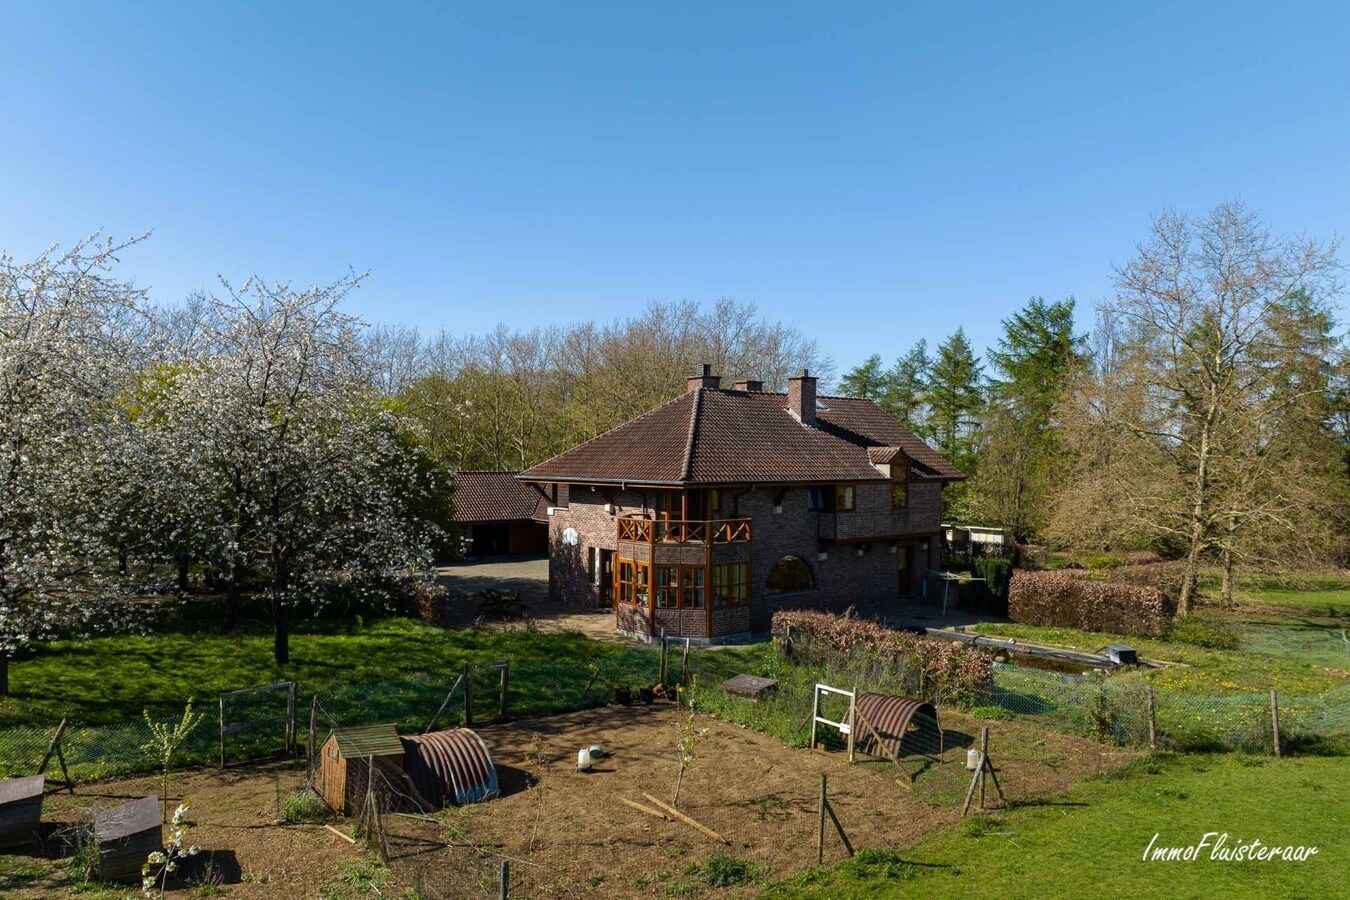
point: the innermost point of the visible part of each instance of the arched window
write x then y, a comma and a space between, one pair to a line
789, 575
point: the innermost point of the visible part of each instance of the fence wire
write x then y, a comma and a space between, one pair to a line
1111, 709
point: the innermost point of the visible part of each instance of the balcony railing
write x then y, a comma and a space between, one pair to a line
684, 531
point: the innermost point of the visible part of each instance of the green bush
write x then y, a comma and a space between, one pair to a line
1206, 629
304, 806
720, 870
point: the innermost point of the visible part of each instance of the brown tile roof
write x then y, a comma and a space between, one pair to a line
712, 436
495, 497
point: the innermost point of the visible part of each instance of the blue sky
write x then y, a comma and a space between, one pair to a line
874, 173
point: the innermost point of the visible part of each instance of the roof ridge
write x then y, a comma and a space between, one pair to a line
694, 410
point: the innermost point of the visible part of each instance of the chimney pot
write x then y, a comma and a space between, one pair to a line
802, 397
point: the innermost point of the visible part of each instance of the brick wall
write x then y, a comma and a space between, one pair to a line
842, 578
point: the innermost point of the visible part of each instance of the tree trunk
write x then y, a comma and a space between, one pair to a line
1198, 526
1226, 594
281, 576
4, 673
121, 562
232, 599
183, 583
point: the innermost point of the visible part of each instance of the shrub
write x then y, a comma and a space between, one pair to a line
1206, 629
1070, 599
720, 870
1165, 576
996, 572
936, 670
304, 806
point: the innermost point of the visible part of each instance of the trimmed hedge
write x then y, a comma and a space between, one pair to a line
1069, 598
939, 671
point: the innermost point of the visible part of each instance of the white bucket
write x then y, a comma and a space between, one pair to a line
584, 759
597, 752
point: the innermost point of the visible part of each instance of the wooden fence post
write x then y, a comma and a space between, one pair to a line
505, 879
222, 731
468, 695
665, 649
820, 826
313, 735
1152, 719
506, 682
1275, 720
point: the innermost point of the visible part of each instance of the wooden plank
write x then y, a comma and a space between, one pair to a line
698, 826
349, 839
645, 809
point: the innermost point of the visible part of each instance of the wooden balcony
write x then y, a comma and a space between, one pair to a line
684, 531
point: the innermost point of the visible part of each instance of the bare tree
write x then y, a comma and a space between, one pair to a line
1197, 307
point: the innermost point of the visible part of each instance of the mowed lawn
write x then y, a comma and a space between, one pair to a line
1090, 841
110, 679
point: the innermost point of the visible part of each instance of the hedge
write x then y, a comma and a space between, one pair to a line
936, 670
1072, 599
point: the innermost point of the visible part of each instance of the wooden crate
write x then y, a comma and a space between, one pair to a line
21, 810
126, 835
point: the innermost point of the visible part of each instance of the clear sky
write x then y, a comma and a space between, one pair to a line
873, 173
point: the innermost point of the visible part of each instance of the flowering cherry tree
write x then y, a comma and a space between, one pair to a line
314, 478
64, 324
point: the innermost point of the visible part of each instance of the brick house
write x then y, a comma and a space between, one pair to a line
713, 510
498, 515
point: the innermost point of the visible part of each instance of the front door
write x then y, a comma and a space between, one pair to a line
606, 577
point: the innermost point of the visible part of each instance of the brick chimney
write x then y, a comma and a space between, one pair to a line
749, 385
802, 397
703, 378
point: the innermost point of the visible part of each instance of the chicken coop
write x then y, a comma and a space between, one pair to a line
21, 810
427, 771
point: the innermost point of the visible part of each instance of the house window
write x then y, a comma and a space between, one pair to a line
843, 497
731, 585
899, 495
633, 582
820, 499
790, 575
667, 587
692, 579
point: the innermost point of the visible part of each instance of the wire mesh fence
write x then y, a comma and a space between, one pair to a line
1112, 709
537, 687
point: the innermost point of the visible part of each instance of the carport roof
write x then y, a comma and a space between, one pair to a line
488, 496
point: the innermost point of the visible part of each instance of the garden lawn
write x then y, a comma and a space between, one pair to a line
111, 679
1090, 841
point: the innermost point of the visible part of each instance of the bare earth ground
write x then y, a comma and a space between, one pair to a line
755, 791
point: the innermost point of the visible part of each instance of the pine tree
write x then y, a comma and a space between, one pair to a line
1036, 356
955, 399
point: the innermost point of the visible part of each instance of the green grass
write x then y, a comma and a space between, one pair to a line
109, 679
1091, 839
1294, 661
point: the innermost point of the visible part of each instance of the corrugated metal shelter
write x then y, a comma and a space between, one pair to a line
125, 836
344, 764
906, 726
21, 810
451, 766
